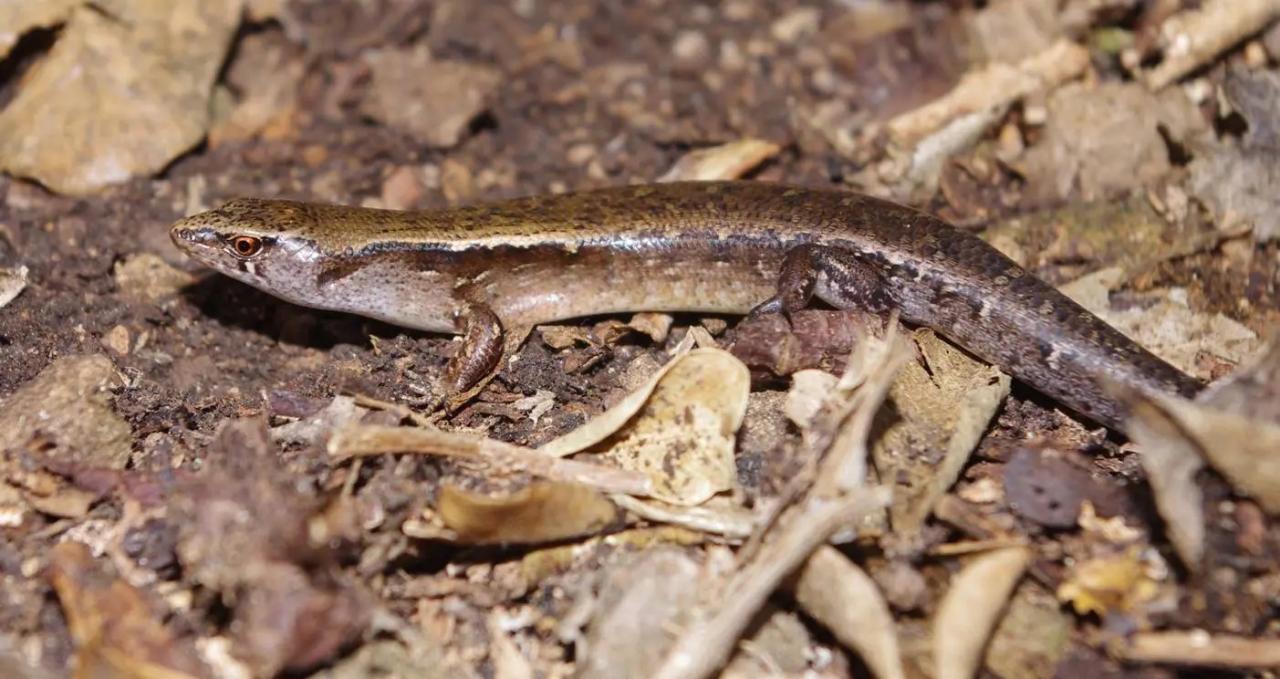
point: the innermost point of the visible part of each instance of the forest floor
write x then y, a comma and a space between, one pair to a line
191, 479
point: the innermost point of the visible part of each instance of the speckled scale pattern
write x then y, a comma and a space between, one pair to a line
717, 246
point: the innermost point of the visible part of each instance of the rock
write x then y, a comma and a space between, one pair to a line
148, 278
434, 101
68, 403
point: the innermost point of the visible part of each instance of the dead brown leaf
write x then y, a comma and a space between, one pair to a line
1237, 181
841, 596
641, 599
1171, 462
971, 608
1032, 637
678, 428
1168, 327
1243, 449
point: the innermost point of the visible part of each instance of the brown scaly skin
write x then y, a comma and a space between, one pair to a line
725, 247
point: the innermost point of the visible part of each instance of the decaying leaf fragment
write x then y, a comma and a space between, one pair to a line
971, 608
678, 428
1168, 326
1119, 583
124, 90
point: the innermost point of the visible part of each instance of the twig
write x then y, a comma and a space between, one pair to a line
364, 440
704, 648
1199, 648
1194, 37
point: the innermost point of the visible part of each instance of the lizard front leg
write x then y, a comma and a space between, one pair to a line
485, 343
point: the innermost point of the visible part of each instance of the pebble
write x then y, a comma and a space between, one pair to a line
798, 23
402, 189
691, 50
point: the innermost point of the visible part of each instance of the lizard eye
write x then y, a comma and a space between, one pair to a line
246, 246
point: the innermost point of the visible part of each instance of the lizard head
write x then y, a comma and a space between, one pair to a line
265, 243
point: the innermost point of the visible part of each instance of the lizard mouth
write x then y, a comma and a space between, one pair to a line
192, 238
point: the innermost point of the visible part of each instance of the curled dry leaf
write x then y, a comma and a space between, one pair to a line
1243, 449
969, 611
726, 161
12, 283
542, 511
719, 518
678, 428
1171, 462
838, 594
942, 407
1235, 180
809, 392
121, 94
1106, 140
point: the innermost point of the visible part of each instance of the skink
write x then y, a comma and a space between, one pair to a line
719, 247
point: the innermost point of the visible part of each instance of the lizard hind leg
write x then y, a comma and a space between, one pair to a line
834, 275
796, 283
